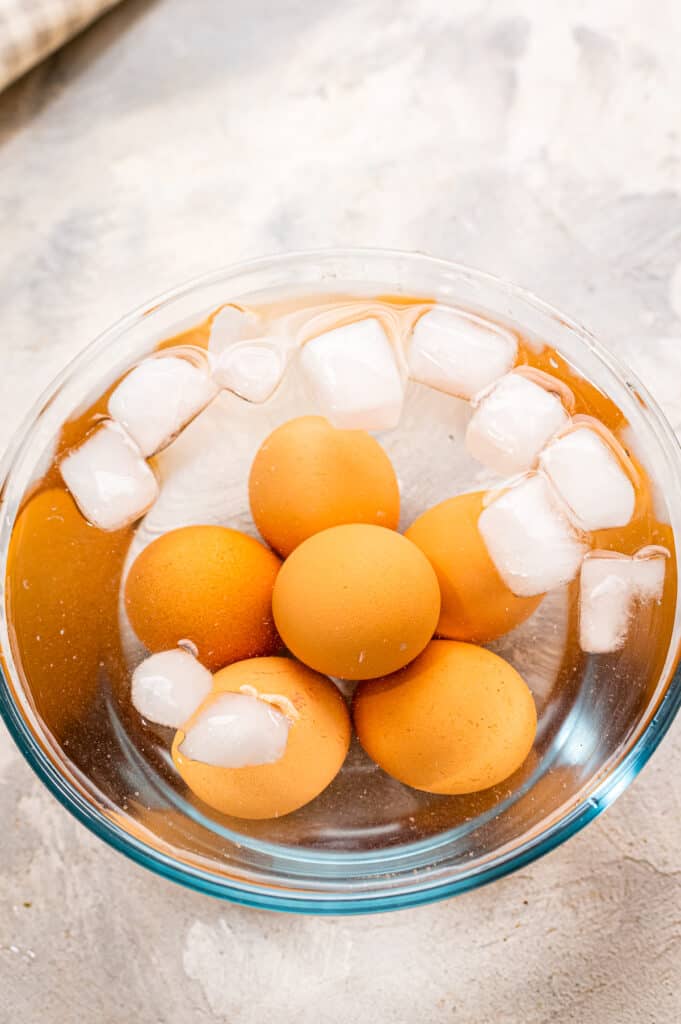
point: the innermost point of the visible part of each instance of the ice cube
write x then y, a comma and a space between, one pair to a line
530, 541
647, 571
236, 730
459, 353
355, 376
158, 398
252, 370
605, 601
168, 687
512, 424
611, 585
589, 478
108, 478
230, 326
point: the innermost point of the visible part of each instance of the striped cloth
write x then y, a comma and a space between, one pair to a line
31, 29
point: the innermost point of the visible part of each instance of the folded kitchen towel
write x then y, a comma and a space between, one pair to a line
31, 29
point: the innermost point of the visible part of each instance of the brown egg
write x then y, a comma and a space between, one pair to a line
207, 584
356, 601
476, 604
308, 476
315, 744
63, 577
457, 720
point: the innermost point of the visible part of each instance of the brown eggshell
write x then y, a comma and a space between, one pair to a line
459, 719
476, 604
63, 577
308, 476
316, 747
207, 584
356, 601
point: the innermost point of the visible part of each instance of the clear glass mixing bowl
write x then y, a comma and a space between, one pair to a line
367, 843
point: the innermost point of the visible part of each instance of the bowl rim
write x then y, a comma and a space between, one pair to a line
604, 792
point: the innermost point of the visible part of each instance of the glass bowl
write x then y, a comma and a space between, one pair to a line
367, 843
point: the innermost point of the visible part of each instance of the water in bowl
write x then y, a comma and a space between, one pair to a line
76, 650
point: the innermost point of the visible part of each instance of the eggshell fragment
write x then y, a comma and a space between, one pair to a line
459, 719
308, 476
316, 743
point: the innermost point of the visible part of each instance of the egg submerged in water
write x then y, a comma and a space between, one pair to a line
209, 585
356, 601
476, 603
308, 476
459, 719
271, 735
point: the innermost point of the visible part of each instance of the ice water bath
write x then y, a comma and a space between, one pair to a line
340, 569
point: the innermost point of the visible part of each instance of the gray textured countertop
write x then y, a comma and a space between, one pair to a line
174, 137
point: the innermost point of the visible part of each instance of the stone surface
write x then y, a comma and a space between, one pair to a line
538, 141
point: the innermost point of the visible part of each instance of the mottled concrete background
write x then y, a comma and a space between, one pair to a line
174, 137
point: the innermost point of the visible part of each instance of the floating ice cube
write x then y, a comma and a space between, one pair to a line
252, 370
230, 326
168, 687
236, 730
513, 423
530, 541
355, 377
459, 353
611, 585
605, 602
158, 398
108, 478
588, 476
